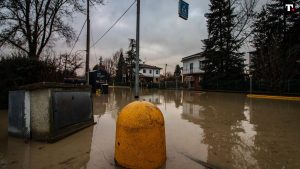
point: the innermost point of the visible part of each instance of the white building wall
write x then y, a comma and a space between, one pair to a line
148, 74
155, 98
196, 66
192, 110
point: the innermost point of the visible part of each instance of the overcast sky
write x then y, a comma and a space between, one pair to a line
164, 37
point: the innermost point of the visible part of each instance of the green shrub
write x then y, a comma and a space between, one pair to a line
19, 70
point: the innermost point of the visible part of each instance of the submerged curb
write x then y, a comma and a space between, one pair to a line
256, 96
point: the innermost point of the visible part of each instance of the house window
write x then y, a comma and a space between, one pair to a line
201, 65
150, 71
157, 72
144, 70
191, 67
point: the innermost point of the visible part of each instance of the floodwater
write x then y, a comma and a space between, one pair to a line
203, 130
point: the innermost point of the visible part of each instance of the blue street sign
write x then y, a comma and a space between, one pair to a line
183, 9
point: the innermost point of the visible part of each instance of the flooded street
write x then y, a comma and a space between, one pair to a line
203, 130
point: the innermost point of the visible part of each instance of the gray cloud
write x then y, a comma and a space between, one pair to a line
165, 38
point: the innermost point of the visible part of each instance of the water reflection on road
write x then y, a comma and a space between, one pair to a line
218, 130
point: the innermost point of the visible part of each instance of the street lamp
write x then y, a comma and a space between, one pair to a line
250, 76
166, 75
176, 78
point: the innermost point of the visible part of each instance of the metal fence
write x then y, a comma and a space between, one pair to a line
234, 85
258, 86
289, 86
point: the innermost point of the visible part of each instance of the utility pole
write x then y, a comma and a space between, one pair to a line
87, 60
137, 50
166, 75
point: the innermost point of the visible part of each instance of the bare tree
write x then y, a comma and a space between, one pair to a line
64, 63
109, 66
70, 63
30, 25
245, 15
116, 57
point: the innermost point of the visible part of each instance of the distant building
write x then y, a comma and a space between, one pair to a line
192, 70
149, 73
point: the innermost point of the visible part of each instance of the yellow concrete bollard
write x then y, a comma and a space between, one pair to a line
98, 92
140, 136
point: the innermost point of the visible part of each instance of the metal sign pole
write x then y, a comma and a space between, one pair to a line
137, 50
176, 81
250, 83
87, 61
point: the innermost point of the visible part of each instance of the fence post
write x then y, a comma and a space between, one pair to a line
176, 82
288, 86
251, 84
235, 85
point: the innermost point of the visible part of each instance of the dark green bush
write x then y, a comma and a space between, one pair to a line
18, 70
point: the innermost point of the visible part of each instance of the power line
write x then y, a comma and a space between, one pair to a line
77, 37
114, 24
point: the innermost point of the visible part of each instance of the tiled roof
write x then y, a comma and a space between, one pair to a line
197, 55
148, 66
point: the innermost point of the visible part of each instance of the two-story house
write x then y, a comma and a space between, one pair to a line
192, 70
149, 73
